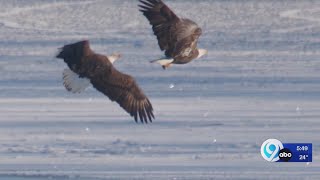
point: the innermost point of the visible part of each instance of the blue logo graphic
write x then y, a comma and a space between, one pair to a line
270, 150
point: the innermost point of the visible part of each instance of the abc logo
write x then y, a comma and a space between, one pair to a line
285, 155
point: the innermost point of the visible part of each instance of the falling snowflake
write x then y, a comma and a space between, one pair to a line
206, 114
171, 86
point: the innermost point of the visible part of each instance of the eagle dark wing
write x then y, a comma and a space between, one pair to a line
162, 20
119, 87
73, 54
124, 90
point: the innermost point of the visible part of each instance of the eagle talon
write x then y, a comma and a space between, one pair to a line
166, 66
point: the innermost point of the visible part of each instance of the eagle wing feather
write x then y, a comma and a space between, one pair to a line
124, 90
162, 20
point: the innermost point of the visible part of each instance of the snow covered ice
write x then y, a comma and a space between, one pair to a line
260, 80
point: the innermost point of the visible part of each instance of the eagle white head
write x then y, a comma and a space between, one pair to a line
202, 52
114, 57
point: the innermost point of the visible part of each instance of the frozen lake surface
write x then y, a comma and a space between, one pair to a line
260, 80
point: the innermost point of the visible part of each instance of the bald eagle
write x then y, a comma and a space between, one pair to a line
87, 67
176, 36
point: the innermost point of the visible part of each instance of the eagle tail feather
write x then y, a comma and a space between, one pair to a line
163, 62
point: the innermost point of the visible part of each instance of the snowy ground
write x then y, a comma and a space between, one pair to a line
261, 80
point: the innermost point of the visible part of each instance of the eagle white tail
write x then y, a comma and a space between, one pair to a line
162, 62
73, 83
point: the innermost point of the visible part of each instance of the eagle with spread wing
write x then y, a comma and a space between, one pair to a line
87, 67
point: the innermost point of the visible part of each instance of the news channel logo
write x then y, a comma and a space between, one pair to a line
273, 150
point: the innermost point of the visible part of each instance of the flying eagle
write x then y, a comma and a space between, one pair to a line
86, 66
176, 36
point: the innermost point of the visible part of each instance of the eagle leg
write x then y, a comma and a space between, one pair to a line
166, 66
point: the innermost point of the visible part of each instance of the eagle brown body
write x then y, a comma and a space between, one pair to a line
176, 36
119, 87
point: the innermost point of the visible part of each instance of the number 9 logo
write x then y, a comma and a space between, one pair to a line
270, 150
